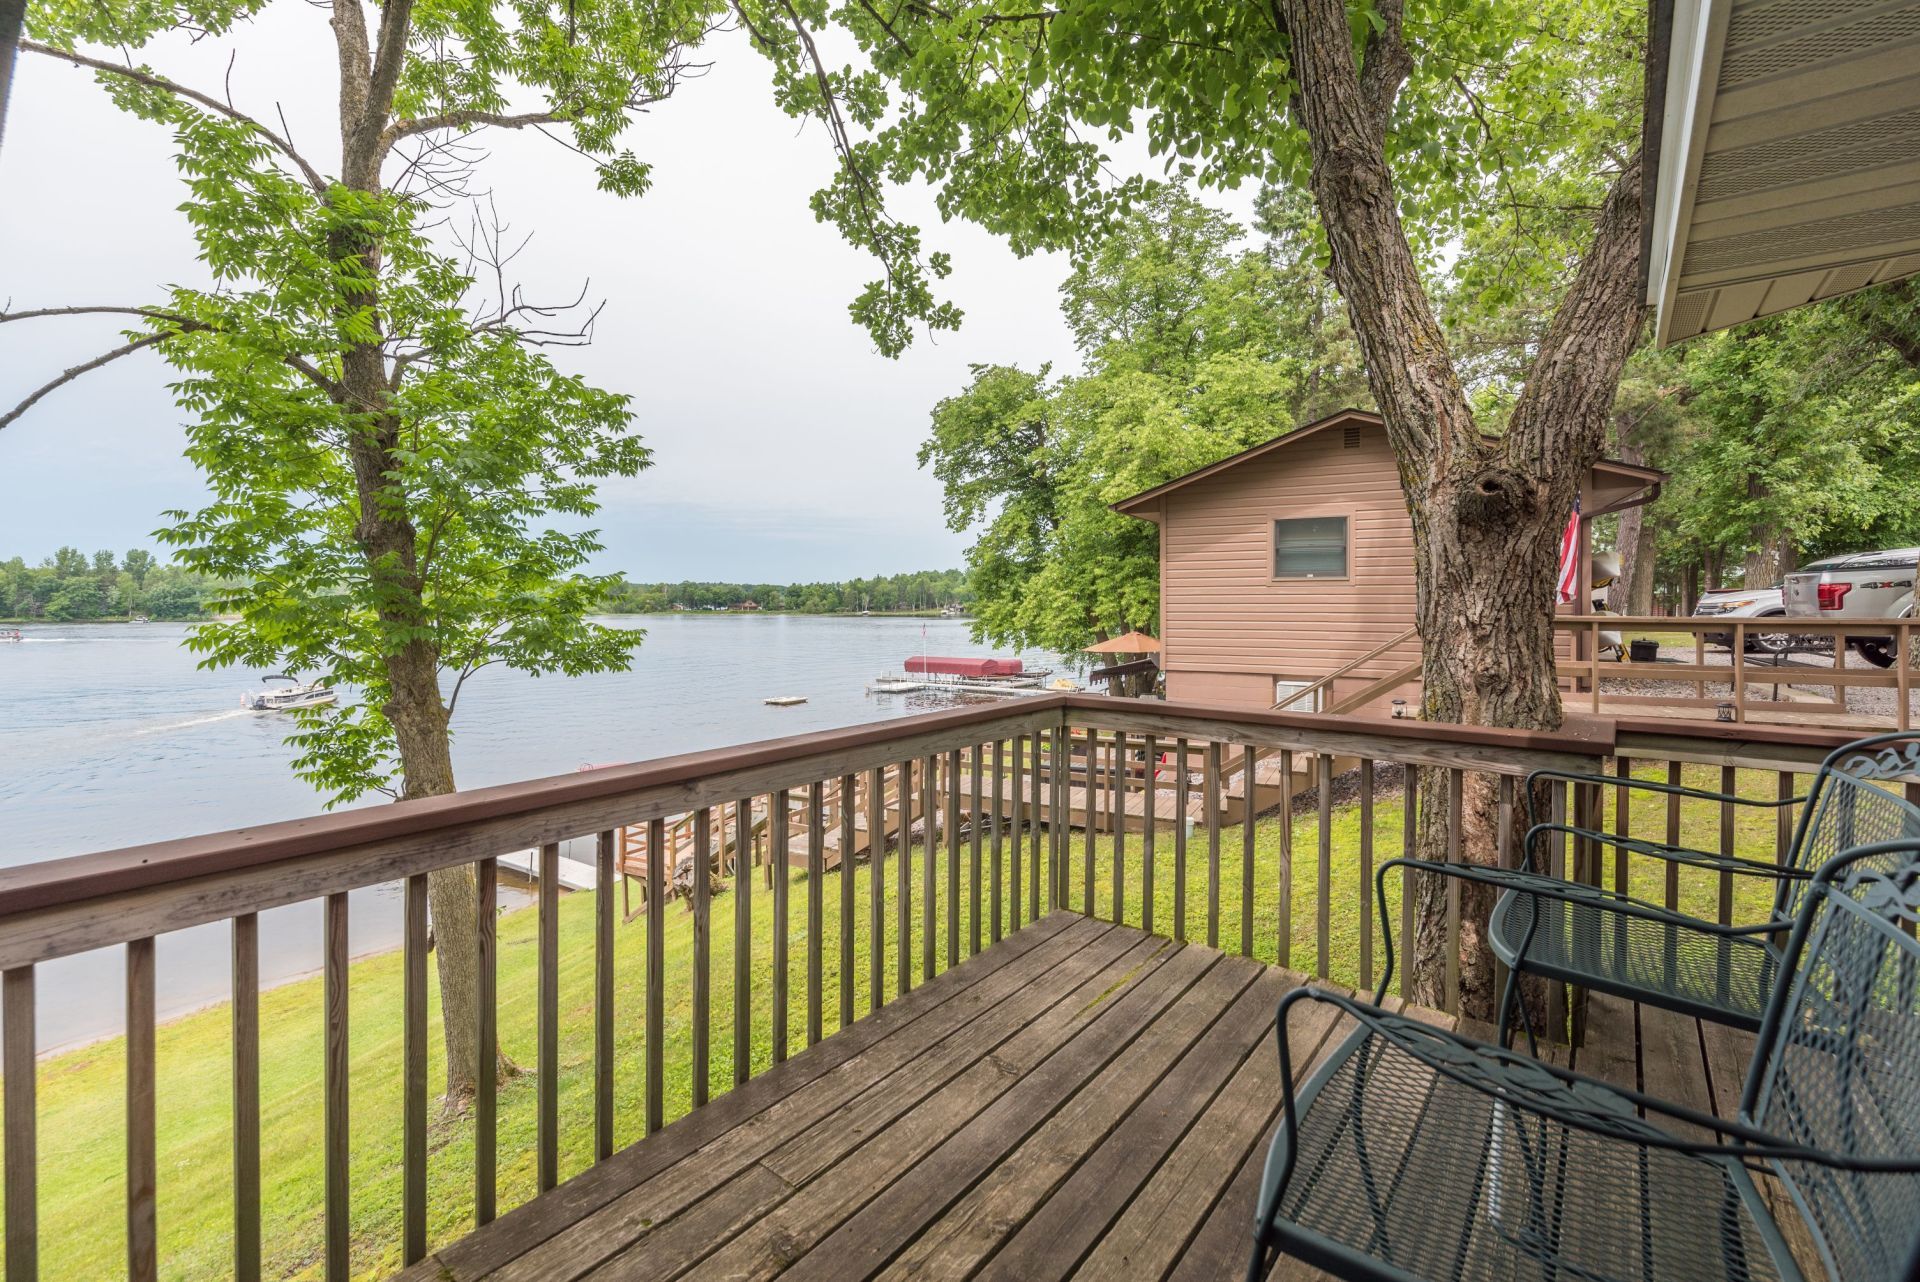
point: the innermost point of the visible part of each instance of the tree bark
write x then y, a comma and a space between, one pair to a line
1487, 512
387, 538
1769, 549
1632, 589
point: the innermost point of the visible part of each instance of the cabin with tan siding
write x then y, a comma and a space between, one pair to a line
1294, 559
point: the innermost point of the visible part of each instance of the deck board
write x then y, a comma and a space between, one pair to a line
1080, 1100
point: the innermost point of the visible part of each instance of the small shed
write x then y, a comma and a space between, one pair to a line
1292, 561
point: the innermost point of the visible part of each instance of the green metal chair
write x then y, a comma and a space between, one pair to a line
1415, 1153
1602, 939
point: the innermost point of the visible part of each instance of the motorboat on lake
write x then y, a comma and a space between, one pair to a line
288, 697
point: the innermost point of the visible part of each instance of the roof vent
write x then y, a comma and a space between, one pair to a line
1353, 438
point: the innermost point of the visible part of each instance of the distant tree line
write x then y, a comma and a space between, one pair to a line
890, 593
70, 585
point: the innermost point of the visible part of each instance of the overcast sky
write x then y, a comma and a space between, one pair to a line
783, 443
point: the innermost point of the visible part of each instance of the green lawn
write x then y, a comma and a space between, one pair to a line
82, 1133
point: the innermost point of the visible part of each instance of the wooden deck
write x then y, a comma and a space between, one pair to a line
1079, 1100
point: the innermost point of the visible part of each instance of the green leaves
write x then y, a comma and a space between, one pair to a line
1195, 349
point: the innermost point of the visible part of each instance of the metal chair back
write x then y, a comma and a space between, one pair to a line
1853, 803
1837, 1067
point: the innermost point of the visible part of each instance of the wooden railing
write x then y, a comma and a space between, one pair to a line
1743, 671
1006, 799
1322, 683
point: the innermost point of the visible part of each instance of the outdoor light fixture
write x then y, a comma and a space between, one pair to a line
1725, 712
1400, 707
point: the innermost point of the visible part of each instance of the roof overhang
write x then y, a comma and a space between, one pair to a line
1783, 155
1611, 486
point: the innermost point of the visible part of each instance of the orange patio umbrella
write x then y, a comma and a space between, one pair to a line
1127, 643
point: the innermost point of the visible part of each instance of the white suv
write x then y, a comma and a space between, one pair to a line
1860, 585
1745, 603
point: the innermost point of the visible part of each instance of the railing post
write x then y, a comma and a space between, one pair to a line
413, 1056
849, 786
1409, 847
246, 1086
929, 851
1016, 842
1323, 873
780, 852
951, 812
1214, 802
742, 940
1455, 803
877, 888
656, 973
142, 1158
1150, 811
1366, 876
339, 1067
816, 906
702, 951
1283, 942
17, 1073
1250, 809
996, 880
903, 882
1089, 794
547, 1047
1181, 793
1035, 837
975, 763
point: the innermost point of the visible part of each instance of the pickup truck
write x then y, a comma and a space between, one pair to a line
1860, 585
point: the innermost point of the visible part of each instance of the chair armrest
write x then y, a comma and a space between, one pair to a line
1553, 888
1573, 1099
1673, 854
1648, 785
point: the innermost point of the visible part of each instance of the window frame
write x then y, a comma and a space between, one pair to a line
1343, 514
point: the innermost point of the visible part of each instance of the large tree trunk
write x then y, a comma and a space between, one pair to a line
1770, 549
1632, 589
388, 540
1487, 513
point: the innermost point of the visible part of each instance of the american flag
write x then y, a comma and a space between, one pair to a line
1569, 552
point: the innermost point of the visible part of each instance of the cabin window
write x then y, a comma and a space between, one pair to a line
1311, 547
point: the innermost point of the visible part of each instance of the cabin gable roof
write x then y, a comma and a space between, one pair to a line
1616, 484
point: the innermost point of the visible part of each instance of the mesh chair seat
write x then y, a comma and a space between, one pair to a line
1401, 1171
1597, 938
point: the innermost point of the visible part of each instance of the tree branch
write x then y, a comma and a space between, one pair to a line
181, 324
67, 376
1385, 63
401, 129
1593, 332
155, 81
396, 20
1405, 351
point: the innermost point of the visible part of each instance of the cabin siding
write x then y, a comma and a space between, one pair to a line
1228, 626
1229, 629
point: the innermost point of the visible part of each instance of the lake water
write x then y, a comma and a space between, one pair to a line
114, 737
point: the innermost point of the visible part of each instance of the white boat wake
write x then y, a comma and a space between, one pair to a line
197, 721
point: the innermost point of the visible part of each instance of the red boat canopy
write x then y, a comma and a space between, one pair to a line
934, 664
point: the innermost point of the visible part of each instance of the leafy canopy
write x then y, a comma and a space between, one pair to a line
1513, 113
1195, 349
487, 453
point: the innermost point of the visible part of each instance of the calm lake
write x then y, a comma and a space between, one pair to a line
114, 737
